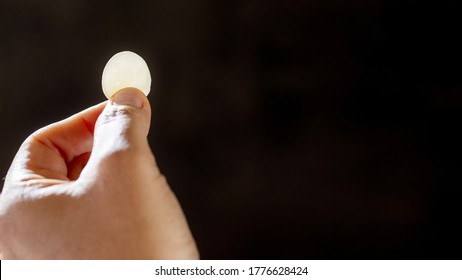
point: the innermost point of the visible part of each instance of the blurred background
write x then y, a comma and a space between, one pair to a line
315, 129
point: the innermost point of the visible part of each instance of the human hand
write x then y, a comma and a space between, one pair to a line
88, 187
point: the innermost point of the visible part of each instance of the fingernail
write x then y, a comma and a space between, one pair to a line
128, 96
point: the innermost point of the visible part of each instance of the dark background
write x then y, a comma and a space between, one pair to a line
316, 129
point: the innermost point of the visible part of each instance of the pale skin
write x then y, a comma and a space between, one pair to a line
88, 187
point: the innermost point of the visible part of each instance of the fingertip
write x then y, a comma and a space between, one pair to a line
128, 96
132, 97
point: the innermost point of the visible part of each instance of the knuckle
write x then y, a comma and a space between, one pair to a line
117, 113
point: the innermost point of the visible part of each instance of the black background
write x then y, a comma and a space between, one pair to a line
316, 129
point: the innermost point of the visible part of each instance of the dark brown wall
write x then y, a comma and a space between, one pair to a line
316, 129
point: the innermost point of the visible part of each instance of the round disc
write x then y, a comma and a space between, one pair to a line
125, 69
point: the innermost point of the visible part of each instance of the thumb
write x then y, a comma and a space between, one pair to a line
123, 125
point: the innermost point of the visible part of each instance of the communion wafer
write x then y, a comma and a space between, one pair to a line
125, 69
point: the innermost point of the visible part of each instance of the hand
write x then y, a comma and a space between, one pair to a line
88, 187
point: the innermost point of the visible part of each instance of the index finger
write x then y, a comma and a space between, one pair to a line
49, 150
